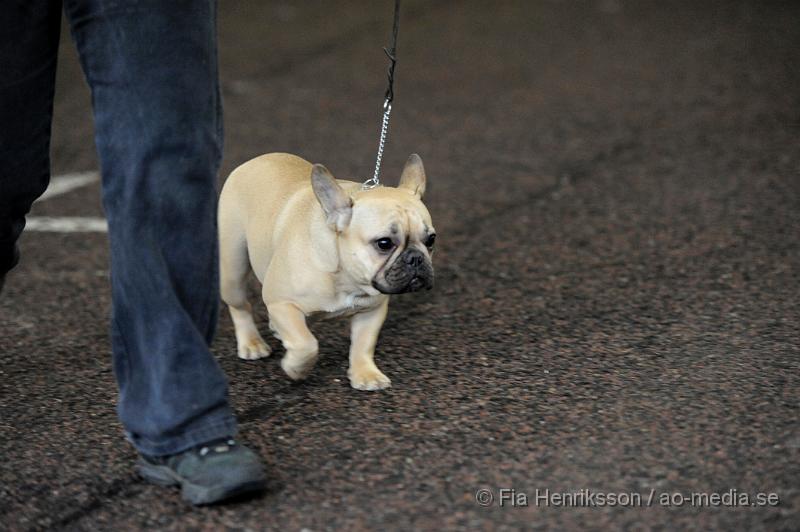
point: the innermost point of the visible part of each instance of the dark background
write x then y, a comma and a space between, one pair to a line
615, 187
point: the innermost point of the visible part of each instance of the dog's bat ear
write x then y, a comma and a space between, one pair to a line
413, 176
336, 204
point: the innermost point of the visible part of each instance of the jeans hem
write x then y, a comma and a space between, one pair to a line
210, 431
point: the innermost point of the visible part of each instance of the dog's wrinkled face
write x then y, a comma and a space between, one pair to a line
391, 237
386, 236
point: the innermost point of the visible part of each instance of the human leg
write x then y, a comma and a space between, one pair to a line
29, 33
152, 69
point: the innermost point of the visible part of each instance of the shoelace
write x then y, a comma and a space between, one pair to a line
218, 447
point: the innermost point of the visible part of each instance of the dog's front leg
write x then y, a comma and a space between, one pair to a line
364, 331
302, 349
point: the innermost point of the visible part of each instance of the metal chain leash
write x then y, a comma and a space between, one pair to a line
391, 52
374, 181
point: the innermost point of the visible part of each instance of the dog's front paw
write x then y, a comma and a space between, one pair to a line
370, 379
253, 348
298, 367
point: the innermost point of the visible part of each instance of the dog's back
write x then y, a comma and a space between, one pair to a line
252, 202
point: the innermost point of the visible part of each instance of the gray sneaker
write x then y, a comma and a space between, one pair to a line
209, 473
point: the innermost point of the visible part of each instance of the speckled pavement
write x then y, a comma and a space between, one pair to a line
616, 189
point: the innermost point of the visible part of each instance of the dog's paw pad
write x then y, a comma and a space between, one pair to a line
369, 380
253, 349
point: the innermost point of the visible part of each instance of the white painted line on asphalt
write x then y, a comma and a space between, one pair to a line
66, 224
64, 183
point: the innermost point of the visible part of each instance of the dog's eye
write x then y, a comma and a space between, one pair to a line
384, 244
430, 240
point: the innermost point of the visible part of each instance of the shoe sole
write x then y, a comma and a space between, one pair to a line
194, 493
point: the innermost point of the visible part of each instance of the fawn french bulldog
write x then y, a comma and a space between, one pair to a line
321, 246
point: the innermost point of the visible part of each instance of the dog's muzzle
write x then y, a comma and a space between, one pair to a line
410, 272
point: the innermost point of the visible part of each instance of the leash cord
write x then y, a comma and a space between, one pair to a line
391, 52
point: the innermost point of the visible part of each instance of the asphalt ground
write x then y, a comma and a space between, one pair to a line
615, 186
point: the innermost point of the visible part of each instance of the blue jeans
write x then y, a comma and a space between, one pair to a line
152, 69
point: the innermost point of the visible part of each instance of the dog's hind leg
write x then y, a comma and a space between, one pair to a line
234, 267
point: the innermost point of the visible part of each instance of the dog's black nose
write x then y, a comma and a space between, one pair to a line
414, 258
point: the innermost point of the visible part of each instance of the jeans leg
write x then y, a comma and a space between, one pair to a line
152, 69
29, 33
